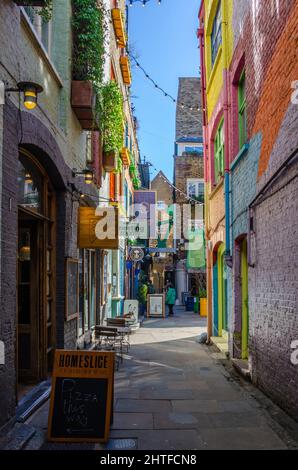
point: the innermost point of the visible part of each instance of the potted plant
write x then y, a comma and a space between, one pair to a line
88, 58
110, 160
111, 124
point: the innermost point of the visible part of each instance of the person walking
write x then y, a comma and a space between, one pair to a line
170, 299
151, 289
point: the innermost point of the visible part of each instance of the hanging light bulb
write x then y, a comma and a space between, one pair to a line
144, 3
28, 178
25, 250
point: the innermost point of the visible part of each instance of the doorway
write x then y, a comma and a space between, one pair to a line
222, 289
244, 300
35, 273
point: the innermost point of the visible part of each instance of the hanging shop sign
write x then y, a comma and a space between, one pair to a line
161, 250
99, 228
136, 253
81, 396
156, 305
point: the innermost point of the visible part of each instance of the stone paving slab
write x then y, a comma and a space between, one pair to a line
192, 406
247, 419
175, 421
133, 421
195, 385
142, 406
167, 439
166, 394
241, 438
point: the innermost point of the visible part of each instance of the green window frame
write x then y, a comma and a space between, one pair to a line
219, 152
242, 110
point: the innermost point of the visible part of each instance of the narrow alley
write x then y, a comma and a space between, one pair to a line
172, 393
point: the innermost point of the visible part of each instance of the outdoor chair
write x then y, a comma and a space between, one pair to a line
108, 339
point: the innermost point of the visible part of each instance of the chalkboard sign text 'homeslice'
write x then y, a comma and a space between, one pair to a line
81, 397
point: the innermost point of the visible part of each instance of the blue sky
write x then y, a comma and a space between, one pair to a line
164, 40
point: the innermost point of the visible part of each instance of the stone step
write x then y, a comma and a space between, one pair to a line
242, 367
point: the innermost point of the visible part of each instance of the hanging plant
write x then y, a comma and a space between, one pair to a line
110, 107
47, 11
136, 183
119, 166
89, 30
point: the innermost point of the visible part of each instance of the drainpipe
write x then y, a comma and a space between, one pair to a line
228, 257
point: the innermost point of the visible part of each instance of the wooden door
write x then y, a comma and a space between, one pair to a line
28, 300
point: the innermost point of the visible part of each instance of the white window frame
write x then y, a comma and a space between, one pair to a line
196, 182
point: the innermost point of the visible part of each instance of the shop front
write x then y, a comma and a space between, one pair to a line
36, 286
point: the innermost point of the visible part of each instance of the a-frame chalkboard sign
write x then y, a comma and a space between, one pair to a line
81, 396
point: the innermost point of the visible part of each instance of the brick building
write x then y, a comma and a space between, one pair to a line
163, 266
44, 156
189, 181
250, 150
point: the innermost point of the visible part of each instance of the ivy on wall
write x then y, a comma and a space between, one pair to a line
89, 31
111, 117
45, 12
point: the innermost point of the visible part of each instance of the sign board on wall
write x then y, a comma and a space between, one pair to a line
99, 228
81, 396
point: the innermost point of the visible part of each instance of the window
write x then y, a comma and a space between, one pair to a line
89, 156
87, 291
42, 27
192, 149
216, 34
195, 189
242, 110
30, 189
219, 152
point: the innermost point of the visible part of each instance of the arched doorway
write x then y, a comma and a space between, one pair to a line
35, 271
222, 289
241, 314
219, 292
244, 299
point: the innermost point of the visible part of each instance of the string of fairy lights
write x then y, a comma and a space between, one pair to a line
177, 190
166, 94
143, 2
182, 105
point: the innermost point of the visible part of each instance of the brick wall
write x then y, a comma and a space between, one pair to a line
266, 37
188, 166
188, 122
164, 191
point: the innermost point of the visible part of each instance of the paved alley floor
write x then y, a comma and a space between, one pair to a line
173, 393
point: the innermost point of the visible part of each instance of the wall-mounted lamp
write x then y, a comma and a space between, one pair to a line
87, 173
25, 249
31, 91
28, 178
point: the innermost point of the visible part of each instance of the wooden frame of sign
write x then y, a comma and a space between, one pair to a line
82, 396
71, 288
91, 218
151, 300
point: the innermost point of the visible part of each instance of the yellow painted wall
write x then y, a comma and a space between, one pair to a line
214, 75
